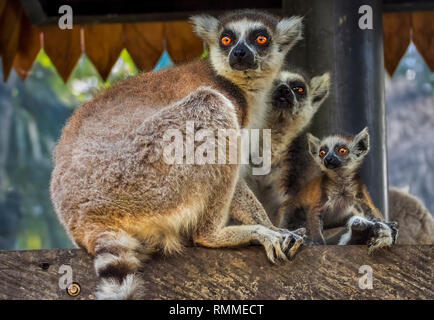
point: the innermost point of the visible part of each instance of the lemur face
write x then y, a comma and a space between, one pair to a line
247, 45
293, 94
339, 151
242, 43
290, 92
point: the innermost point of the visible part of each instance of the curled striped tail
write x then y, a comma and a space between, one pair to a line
118, 257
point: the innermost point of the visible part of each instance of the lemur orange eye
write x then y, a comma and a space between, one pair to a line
299, 90
226, 40
322, 153
343, 151
261, 39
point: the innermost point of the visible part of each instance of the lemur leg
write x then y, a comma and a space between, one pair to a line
246, 208
367, 205
335, 239
357, 232
213, 232
315, 226
284, 214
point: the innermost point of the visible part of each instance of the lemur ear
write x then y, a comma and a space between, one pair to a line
320, 87
206, 27
289, 31
360, 144
314, 144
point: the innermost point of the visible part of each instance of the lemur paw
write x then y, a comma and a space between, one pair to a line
360, 224
373, 232
301, 232
383, 235
295, 238
280, 243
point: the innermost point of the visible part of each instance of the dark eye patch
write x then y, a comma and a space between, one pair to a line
295, 85
227, 33
325, 148
338, 146
251, 38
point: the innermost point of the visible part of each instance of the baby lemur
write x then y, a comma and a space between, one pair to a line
111, 186
293, 102
337, 196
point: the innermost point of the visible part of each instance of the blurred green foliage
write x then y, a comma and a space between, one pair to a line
32, 114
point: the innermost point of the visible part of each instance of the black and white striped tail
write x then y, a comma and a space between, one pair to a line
116, 265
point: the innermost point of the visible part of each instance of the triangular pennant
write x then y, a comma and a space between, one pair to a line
10, 24
423, 35
182, 43
63, 48
164, 62
103, 44
28, 48
143, 42
396, 38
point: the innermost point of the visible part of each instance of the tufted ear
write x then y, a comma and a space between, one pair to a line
289, 31
206, 27
360, 144
314, 144
320, 87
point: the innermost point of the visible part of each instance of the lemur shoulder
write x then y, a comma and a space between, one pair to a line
119, 199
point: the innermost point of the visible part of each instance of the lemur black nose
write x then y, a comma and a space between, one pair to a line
283, 97
239, 52
241, 58
331, 162
284, 91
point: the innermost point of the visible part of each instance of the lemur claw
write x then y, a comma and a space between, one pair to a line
295, 242
282, 244
384, 235
301, 232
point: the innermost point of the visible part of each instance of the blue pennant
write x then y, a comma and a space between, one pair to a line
164, 61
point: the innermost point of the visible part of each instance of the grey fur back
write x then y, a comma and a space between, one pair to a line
415, 221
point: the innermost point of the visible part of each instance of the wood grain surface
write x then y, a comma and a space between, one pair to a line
320, 272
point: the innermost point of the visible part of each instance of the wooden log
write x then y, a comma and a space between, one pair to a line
320, 272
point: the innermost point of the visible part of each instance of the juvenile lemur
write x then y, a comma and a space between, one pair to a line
112, 189
338, 196
292, 103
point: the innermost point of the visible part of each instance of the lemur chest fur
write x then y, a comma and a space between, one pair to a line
258, 109
339, 201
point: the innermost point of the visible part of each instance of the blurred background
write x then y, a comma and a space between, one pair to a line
34, 108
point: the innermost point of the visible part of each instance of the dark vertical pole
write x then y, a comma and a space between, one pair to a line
334, 42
